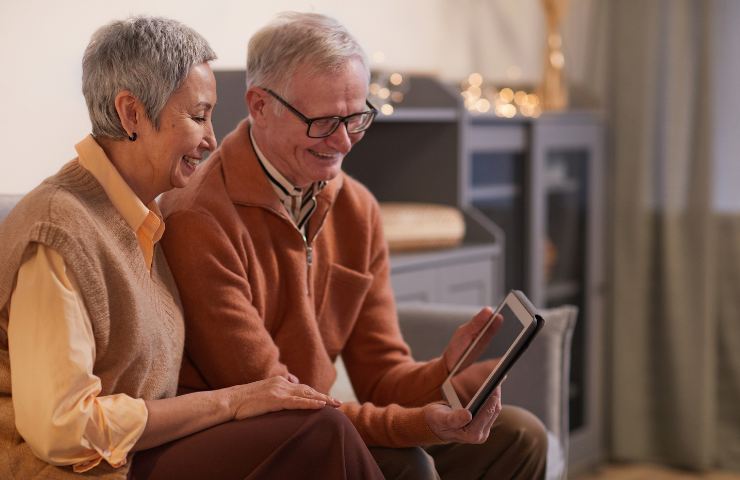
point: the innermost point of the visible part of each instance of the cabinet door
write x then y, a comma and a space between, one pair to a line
414, 286
566, 217
495, 172
469, 283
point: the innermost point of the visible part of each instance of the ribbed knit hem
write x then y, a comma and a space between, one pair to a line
390, 426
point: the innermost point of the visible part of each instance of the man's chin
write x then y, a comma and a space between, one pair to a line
327, 172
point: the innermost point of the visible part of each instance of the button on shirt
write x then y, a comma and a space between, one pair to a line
56, 397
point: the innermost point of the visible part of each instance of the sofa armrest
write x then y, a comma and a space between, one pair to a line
7, 202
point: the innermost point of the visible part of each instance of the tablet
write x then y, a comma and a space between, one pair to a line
479, 363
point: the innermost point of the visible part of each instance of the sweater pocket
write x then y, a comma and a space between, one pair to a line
344, 294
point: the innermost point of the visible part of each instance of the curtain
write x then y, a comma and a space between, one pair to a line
675, 264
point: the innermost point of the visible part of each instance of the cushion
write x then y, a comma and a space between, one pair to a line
418, 226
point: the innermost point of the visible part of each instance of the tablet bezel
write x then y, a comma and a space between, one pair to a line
527, 315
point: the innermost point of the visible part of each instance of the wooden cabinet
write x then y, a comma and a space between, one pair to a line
470, 275
566, 221
540, 180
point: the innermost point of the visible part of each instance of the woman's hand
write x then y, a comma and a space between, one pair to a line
273, 394
176, 417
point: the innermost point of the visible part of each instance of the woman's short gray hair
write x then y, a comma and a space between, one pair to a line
294, 40
149, 56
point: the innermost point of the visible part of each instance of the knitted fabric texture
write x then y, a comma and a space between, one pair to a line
136, 316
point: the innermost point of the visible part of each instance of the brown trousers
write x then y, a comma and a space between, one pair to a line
515, 449
282, 445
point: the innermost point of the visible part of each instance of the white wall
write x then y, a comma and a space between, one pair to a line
42, 41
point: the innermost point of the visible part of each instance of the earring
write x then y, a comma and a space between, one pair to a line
133, 137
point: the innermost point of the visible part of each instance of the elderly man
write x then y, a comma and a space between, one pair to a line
282, 266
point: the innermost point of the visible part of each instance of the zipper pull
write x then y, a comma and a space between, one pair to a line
309, 255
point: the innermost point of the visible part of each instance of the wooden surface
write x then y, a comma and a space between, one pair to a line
651, 472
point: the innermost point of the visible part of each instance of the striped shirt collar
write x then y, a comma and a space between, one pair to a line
300, 203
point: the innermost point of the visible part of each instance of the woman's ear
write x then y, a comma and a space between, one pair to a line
256, 104
129, 111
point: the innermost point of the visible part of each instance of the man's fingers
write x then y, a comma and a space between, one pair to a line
480, 320
488, 412
495, 412
458, 418
496, 323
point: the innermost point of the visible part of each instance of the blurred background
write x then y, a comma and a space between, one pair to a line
596, 141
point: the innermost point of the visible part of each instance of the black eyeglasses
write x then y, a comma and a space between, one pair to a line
321, 127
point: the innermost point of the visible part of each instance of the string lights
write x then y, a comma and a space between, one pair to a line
482, 97
387, 89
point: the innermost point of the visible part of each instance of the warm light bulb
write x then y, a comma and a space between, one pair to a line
520, 97
509, 110
506, 95
475, 79
557, 59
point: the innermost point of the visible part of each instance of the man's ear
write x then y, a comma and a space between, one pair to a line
256, 103
129, 111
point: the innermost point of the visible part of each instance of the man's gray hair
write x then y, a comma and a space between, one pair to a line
149, 56
305, 40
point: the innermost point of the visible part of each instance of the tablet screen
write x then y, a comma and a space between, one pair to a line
483, 356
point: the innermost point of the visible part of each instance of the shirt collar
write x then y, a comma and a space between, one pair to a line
282, 185
92, 157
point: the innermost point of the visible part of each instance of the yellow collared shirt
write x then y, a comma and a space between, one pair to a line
52, 348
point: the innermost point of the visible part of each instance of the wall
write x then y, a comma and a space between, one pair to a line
42, 41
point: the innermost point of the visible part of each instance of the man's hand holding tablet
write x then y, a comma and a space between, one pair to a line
472, 388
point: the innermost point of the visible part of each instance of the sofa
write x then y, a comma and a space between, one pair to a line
7, 202
538, 382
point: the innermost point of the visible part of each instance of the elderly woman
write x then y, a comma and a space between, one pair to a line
92, 331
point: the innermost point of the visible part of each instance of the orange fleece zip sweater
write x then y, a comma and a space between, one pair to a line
261, 300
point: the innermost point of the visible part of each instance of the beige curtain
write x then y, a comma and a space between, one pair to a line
675, 310
728, 344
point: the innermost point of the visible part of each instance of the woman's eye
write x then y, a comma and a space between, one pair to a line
199, 119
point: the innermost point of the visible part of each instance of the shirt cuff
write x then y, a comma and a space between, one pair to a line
117, 423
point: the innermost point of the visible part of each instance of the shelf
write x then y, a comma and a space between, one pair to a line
494, 192
416, 114
463, 253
